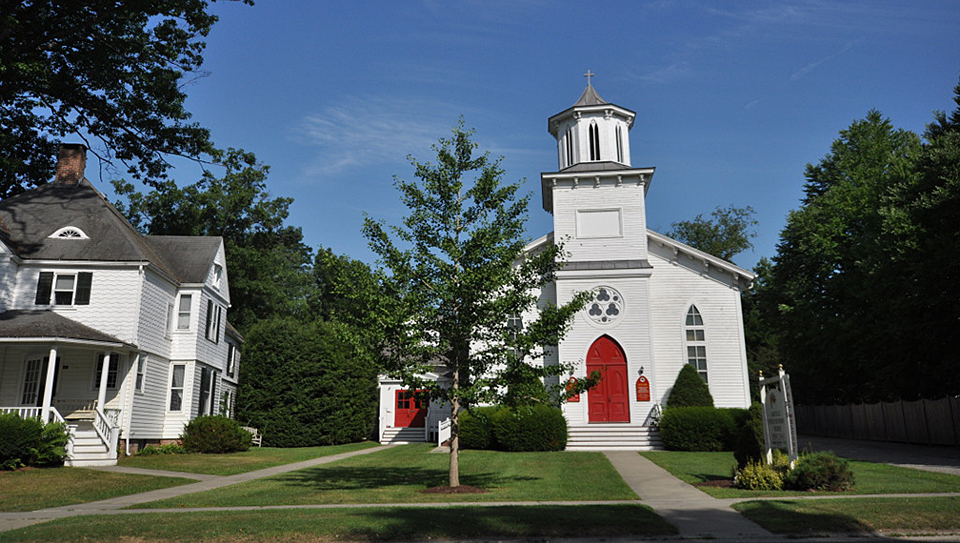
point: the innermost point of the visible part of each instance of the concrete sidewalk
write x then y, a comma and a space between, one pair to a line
694, 513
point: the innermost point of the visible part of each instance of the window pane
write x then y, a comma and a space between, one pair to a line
185, 302
63, 298
64, 282
178, 377
176, 400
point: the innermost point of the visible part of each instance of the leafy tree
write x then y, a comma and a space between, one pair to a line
726, 235
111, 72
268, 262
458, 272
305, 384
830, 273
759, 305
689, 390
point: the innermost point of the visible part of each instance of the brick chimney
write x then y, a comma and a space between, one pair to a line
71, 163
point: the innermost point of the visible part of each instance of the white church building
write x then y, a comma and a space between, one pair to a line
657, 303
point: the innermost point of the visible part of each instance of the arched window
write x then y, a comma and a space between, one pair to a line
696, 343
69, 232
569, 143
594, 141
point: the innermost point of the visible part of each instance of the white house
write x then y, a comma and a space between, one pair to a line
123, 336
657, 304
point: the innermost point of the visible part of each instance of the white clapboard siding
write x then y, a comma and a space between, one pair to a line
627, 198
157, 296
150, 405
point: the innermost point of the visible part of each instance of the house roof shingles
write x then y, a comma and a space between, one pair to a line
24, 324
29, 219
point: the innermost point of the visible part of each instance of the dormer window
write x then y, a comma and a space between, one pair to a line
218, 276
69, 232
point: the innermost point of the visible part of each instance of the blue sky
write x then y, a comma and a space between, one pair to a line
732, 98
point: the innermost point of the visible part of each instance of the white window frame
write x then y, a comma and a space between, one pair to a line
181, 388
113, 374
141, 373
695, 342
181, 313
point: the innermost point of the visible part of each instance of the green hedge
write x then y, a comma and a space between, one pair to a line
701, 428
215, 434
524, 428
750, 446
476, 428
29, 442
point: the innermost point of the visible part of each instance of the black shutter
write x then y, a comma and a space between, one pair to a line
84, 280
44, 287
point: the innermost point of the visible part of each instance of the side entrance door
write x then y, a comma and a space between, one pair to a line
410, 411
609, 401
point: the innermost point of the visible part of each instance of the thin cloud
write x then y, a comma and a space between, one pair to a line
814, 65
371, 131
667, 74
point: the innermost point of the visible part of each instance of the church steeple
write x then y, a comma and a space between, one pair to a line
592, 130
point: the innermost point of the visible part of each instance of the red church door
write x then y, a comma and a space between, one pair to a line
609, 401
410, 411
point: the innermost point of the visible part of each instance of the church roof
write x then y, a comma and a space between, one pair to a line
589, 98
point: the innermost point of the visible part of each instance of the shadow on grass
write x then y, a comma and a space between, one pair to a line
783, 517
364, 478
514, 521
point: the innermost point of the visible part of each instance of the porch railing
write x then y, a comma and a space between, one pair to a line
32, 413
443, 431
107, 428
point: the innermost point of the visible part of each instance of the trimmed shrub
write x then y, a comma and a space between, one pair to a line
530, 428
689, 390
215, 434
820, 471
476, 428
758, 475
749, 446
307, 383
169, 448
700, 428
29, 442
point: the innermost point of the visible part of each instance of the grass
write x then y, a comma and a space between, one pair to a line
869, 478
863, 515
233, 463
400, 474
32, 489
367, 524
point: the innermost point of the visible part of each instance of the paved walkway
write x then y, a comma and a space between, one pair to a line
694, 513
925, 457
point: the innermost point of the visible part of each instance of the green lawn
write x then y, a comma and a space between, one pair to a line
233, 463
32, 489
368, 524
870, 478
855, 515
400, 474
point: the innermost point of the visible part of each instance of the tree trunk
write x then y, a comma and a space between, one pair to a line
455, 443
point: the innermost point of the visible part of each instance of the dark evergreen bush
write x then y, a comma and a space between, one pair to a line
157, 450
820, 471
215, 434
689, 390
476, 428
29, 442
700, 428
307, 383
750, 446
530, 428
524, 387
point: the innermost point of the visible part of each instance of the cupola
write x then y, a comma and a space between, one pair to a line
592, 130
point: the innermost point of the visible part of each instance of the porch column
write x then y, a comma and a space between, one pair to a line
48, 385
102, 395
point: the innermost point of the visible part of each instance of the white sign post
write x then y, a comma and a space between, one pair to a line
779, 424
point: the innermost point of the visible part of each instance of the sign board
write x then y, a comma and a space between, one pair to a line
571, 383
643, 389
779, 423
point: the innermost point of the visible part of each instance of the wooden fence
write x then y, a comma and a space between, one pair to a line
929, 422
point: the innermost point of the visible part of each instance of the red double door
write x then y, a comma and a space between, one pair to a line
410, 411
609, 401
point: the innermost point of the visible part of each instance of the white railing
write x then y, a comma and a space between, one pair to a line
23, 412
35, 412
106, 427
443, 432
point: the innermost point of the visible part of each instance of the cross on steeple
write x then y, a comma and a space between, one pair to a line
588, 75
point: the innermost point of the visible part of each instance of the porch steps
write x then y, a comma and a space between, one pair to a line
612, 437
88, 448
402, 435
